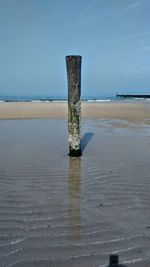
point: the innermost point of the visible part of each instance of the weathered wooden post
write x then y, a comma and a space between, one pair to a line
74, 105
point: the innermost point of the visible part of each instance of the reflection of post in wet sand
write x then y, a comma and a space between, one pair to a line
74, 198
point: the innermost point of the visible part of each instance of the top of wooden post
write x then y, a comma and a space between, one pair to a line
74, 78
72, 56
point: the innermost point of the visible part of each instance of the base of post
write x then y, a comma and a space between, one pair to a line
75, 153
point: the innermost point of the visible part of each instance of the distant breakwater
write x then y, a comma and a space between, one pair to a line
132, 96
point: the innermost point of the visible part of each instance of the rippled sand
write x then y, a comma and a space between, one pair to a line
57, 211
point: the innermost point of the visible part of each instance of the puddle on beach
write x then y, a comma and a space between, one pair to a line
61, 211
118, 123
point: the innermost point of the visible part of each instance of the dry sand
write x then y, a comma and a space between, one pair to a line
125, 111
74, 212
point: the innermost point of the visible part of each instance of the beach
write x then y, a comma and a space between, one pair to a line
58, 211
58, 110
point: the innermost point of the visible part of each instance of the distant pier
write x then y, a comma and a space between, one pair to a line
131, 96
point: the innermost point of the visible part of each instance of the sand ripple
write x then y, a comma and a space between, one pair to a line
61, 211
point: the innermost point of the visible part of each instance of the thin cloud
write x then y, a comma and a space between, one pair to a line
89, 8
125, 9
126, 38
146, 48
134, 5
92, 13
91, 18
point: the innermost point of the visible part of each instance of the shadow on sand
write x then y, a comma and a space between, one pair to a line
85, 140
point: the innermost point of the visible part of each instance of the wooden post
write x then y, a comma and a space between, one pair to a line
74, 105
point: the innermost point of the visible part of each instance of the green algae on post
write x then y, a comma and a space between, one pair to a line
73, 64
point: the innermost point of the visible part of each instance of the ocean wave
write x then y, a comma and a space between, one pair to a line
36, 101
139, 98
59, 101
103, 100
99, 100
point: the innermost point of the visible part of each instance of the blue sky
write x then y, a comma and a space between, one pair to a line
112, 36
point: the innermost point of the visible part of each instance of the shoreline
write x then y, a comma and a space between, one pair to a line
132, 112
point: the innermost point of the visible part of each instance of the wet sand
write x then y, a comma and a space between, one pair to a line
126, 111
74, 212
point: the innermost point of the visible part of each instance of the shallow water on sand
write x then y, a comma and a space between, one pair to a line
73, 212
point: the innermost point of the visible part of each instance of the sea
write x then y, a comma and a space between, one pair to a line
64, 99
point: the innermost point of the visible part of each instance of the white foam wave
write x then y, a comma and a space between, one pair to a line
59, 101
36, 101
103, 100
99, 100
